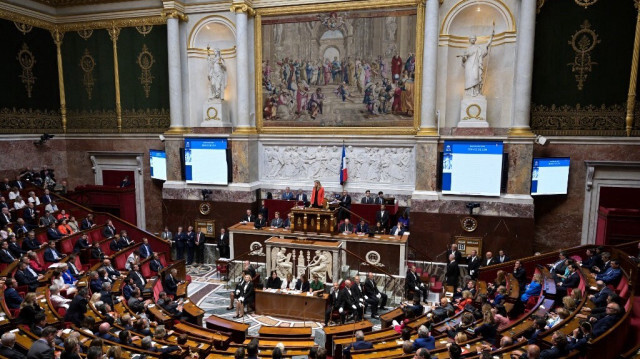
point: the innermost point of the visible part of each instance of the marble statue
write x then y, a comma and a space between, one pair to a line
283, 265
217, 75
472, 61
321, 265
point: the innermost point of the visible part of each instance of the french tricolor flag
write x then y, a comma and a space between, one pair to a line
344, 174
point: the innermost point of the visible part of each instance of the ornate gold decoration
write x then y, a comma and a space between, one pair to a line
473, 112
212, 114
27, 60
585, 3
85, 33
29, 121
583, 42
23, 28
204, 208
469, 224
145, 61
92, 121
146, 120
578, 120
114, 32
631, 97
57, 39
144, 30
236, 8
88, 63
174, 14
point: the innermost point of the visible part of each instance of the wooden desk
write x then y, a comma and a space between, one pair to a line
282, 332
291, 305
193, 310
387, 318
391, 250
237, 330
344, 329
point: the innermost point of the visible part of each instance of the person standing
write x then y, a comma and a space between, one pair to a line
180, 240
317, 195
191, 244
223, 243
453, 272
201, 239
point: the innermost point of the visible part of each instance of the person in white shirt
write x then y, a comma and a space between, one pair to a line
57, 300
33, 199
51, 207
19, 203
289, 282
15, 193
132, 259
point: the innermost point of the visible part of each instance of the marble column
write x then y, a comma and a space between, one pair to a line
429, 70
175, 68
243, 122
524, 70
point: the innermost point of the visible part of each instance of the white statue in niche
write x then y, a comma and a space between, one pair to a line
217, 74
321, 265
472, 61
283, 265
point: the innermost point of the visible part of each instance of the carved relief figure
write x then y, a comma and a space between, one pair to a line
321, 265
281, 262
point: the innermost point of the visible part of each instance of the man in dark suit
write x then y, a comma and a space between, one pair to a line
5, 254
367, 199
344, 201
111, 272
30, 243
77, 307
25, 276
114, 244
5, 217
592, 260
46, 198
18, 183
11, 296
287, 195
571, 281
502, 257
301, 197
105, 294
397, 230
359, 344
348, 302
137, 277
71, 264
21, 228
414, 284
612, 315
30, 215
473, 264
181, 241
87, 222
362, 227
14, 248
559, 266
223, 243
109, 229
5, 185
453, 272
380, 198
191, 244
201, 239
248, 218
95, 282
454, 250
47, 219
6, 350
97, 253
52, 232
145, 249
170, 283
51, 255
81, 244
155, 265
346, 227
488, 260
373, 296
277, 222
43, 348
334, 302
600, 298
558, 348
382, 216
260, 222
125, 241
104, 333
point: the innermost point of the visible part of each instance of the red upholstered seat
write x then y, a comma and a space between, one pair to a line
62, 312
95, 236
105, 248
145, 269
66, 245
436, 286
531, 302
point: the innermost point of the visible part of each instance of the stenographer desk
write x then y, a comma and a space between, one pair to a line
291, 304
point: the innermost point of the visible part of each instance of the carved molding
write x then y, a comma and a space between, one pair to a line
578, 120
29, 121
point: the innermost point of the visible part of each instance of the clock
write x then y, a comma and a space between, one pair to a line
205, 208
469, 224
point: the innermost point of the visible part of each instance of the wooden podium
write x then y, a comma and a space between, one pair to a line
314, 220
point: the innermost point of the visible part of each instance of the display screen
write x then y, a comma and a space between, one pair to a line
550, 176
158, 164
472, 168
205, 160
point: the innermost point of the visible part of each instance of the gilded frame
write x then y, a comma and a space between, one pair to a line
343, 6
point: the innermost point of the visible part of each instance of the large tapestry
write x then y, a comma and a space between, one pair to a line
351, 68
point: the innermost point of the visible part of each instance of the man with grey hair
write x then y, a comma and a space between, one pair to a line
359, 344
424, 340
147, 344
407, 347
6, 350
57, 300
422, 353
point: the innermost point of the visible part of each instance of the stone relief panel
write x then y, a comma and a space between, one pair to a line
366, 165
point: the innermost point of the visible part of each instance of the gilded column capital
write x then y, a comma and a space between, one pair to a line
242, 7
57, 36
114, 32
174, 14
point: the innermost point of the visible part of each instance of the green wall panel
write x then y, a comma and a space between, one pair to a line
44, 90
100, 48
607, 84
132, 92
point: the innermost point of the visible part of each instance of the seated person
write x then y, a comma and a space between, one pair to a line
362, 227
359, 344
302, 284
424, 340
274, 282
346, 227
260, 222
532, 289
316, 286
612, 274
277, 222
397, 230
51, 255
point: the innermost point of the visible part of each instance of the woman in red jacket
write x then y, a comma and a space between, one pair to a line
317, 195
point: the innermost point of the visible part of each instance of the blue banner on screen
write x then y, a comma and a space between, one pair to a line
205, 160
158, 164
550, 175
472, 168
